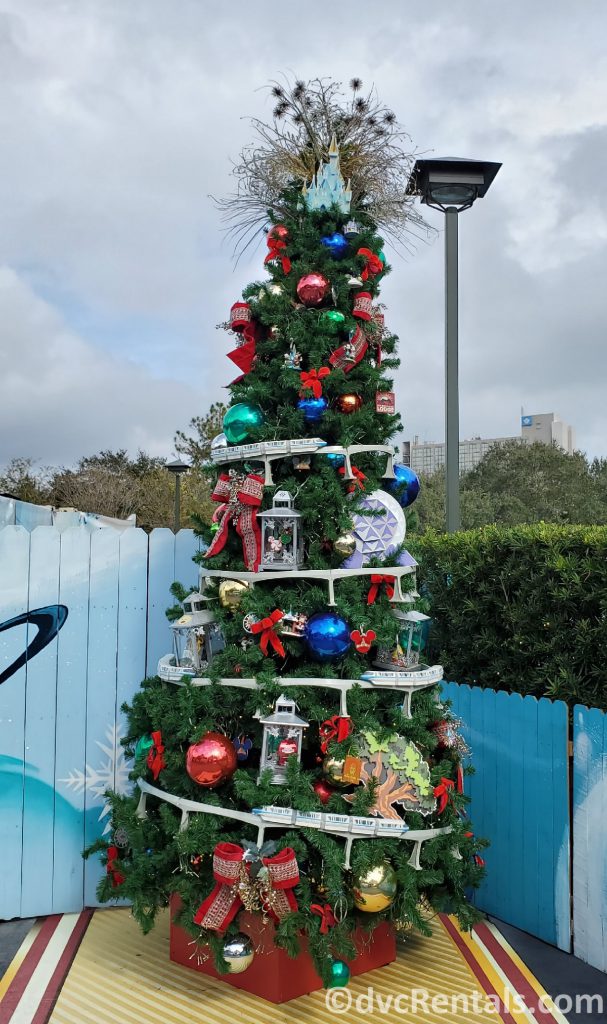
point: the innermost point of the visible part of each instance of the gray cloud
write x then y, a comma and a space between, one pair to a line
119, 120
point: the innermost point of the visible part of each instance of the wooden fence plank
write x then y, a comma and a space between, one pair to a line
161, 574
590, 836
70, 763
40, 717
187, 544
14, 578
101, 745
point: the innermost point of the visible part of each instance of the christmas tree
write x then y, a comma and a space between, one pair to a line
293, 758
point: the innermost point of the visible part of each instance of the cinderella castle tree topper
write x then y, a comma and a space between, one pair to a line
327, 186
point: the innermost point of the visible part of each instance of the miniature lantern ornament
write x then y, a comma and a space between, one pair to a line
197, 638
281, 537
410, 642
282, 738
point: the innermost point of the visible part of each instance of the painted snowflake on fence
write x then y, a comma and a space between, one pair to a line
112, 773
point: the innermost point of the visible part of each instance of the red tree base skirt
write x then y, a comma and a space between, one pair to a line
274, 975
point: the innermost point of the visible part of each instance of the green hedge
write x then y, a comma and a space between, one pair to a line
521, 608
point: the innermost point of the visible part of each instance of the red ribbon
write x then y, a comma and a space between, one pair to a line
276, 246
379, 580
111, 869
363, 641
444, 793
269, 637
478, 860
373, 265
336, 728
358, 478
347, 356
222, 905
240, 497
156, 760
312, 378
327, 917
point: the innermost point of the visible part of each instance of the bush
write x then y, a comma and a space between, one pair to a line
520, 608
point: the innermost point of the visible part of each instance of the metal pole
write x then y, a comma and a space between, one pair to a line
451, 372
177, 501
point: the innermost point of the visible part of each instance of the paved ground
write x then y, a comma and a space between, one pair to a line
12, 934
559, 972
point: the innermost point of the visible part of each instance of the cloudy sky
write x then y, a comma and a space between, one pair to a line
118, 119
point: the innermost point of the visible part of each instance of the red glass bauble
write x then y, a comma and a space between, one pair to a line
279, 232
323, 790
349, 404
212, 760
312, 289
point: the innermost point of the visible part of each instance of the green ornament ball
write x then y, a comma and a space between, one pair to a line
332, 318
340, 974
381, 256
240, 420
143, 746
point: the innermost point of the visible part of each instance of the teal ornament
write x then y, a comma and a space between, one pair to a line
327, 636
336, 244
405, 487
335, 459
381, 257
313, 408
143, 746
340, 974
240, 421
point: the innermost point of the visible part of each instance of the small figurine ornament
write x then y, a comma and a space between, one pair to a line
242, 745
292, 359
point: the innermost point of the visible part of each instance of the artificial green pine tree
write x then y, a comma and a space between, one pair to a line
316, 366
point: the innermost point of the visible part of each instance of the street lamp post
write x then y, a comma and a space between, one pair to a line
450, 184
177, 468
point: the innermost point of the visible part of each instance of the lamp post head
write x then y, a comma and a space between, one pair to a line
177, 467
442, 182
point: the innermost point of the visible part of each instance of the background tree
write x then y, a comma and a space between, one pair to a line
197, 446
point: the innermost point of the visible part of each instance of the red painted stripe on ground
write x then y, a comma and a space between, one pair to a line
476, 969
19, 983
515, 976
59, 975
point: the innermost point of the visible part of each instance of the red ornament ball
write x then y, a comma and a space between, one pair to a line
278, 233
347, 404
312, 289
323, 790
212, 760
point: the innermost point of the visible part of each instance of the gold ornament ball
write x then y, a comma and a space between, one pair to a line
345, 545
375, 890
333, 768
231, 593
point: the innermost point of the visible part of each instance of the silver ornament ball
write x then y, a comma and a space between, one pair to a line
238, 951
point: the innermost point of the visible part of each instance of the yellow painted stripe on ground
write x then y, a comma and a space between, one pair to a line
120, 975
522, 966
18, 958
494, 975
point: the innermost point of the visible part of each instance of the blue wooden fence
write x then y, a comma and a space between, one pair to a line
60, 722
520, 802
590, 835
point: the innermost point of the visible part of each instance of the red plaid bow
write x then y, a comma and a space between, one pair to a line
240, 495
358, 478
444, 793
363, 641
111, 869
312, 378
327, 917
276, 247
378, 580
269, 636
156, 760
229, 870
336, 728
373, 265
347, 356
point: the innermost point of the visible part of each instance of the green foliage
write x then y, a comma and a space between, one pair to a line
521, 609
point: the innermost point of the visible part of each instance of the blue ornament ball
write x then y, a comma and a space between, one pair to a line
336, 244
335, 459
327, 636
405, 487
240, 420
312, 408
340, 974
